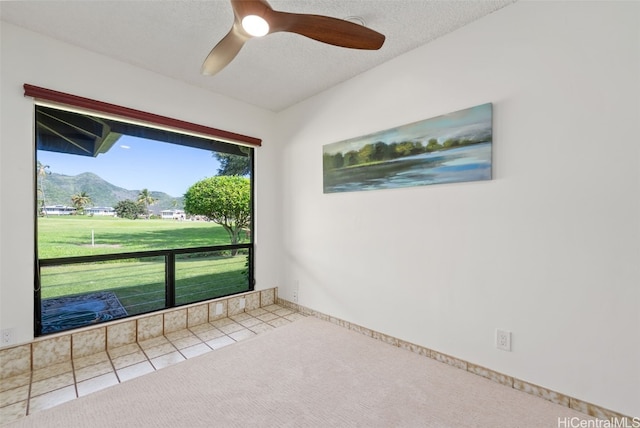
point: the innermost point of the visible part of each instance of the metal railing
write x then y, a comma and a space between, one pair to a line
72, 292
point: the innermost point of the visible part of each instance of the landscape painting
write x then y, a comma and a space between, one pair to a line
455, 147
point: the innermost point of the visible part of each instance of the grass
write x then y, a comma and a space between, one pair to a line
138, 283
66, 236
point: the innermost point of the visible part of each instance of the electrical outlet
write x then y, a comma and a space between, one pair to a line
243, 303
7, 337
503, 340
296, 287
218, 308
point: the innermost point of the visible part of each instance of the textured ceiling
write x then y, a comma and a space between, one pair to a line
172, 38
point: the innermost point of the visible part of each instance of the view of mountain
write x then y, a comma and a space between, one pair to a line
59, 188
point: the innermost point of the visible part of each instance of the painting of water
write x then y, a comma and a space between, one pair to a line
451, 148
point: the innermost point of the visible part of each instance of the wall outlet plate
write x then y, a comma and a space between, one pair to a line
296, 289
503, 340
7, 337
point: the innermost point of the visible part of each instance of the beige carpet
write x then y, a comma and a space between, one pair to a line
307, 374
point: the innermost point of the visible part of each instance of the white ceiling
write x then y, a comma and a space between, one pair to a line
173, 38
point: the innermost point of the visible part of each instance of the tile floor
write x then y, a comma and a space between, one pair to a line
41, 389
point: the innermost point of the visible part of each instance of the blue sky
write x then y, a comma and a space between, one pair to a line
136, 163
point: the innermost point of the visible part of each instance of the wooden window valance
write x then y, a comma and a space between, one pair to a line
128, 114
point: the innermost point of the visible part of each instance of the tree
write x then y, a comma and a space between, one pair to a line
145, 198
233, 164
450, 143
338, 161
225, 200
404, 149
42, 174
433, 145
380, 151
128, 209
365, 154
335, 161
79, 200
350, 158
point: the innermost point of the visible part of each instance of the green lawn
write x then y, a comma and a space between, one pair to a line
138, 283
65, 236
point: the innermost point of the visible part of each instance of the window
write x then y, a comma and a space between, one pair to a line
118, 233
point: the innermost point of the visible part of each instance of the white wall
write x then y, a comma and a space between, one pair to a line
548, 249
30, 58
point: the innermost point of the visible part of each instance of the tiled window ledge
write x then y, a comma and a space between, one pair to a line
521, 385
63, 347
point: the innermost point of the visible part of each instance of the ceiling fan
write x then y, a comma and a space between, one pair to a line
256, 18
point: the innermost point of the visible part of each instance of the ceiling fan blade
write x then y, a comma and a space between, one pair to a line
225, 51
333, 31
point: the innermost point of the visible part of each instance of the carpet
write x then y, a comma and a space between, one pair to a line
309, 373
64, 313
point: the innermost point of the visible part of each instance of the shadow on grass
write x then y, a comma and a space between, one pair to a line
145, 298
139, 284
55, 243
149, 297
149, 240
162, 239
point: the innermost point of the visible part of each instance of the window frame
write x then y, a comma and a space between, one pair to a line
62, 101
